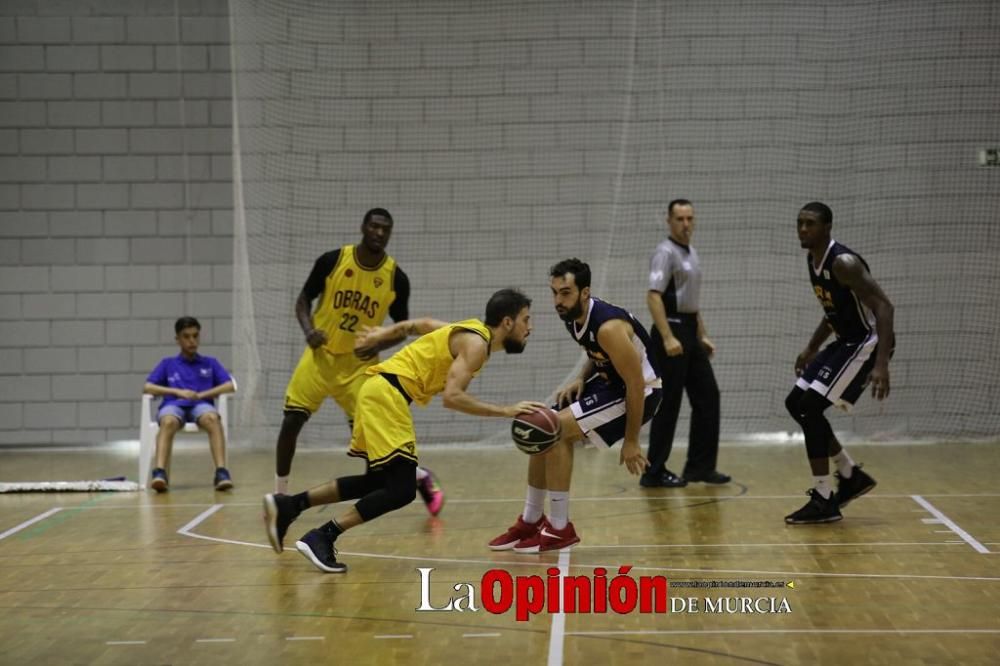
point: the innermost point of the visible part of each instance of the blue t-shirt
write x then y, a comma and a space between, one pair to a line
198, 374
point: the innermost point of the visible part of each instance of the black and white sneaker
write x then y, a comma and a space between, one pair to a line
857, 485
279, 512
816, 510
317, 547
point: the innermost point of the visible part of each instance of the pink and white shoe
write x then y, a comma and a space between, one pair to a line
431, 493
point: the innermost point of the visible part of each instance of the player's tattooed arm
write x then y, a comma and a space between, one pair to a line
852, 273
373, 339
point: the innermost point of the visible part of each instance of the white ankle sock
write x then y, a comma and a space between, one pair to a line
824, 485
844, 463
280, 485
558, 508
534, 504
422, 474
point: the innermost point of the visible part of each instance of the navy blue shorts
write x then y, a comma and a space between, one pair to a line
600, 411
840, 371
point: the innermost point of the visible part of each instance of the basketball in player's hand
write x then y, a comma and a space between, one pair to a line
535, 432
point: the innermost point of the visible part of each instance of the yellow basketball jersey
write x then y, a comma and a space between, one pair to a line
354, 296
423, 364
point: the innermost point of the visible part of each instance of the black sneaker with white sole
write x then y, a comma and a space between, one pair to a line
816, 510
858, 484
317, 547
279, 512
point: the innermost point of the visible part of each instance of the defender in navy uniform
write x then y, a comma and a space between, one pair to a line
617, 391
858, 312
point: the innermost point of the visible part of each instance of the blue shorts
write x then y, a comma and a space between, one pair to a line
840, 371
185, 414
600, 411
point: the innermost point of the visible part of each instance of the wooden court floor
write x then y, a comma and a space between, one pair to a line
910, 576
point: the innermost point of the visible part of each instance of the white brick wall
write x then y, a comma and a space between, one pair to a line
481, 129
89, 108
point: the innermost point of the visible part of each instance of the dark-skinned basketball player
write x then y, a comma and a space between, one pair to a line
357, 286
859, 313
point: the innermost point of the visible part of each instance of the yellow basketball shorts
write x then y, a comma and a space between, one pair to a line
321, 374
383, 424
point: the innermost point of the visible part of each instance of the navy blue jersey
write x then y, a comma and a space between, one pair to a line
846, 314
599, 312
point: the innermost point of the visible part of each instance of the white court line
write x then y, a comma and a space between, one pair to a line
215, 640
946, 521
305, 638
768, 545
539, 563
491, 635
636, 498
675, 632
29, 523
559, 619
384, 636
124, 642
199, 518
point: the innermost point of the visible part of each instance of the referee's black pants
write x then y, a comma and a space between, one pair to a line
691, 372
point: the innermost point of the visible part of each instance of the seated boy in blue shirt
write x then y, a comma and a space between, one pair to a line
189, 383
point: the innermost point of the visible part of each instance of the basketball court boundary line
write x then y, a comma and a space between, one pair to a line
951, 525
186, 531
558, 630
28, 523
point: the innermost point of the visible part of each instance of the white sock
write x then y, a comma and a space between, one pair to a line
844, 463
422, 474
534, 504
280, 485
824, 485
559, 506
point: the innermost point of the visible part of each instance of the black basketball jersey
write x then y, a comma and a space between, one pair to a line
600, 312
846, 314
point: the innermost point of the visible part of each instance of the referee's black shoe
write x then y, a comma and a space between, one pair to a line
666, 479
714, 477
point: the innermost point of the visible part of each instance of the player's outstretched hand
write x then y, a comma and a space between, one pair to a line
524, 407
569, 393
631, 456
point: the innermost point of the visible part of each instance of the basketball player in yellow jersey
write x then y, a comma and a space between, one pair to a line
444, 360
357, 286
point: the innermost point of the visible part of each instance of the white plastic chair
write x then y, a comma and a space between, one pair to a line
149, 426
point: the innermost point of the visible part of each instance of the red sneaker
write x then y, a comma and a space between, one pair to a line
549, 538
516, 532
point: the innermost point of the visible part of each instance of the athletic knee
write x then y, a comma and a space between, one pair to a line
293, 420
792, 401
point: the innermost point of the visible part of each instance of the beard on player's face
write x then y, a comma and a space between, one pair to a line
512, 346
573, 313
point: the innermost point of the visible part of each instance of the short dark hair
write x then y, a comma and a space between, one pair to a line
580, 271
505, 303
376, 211
677, 202
821, 209
186, 322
